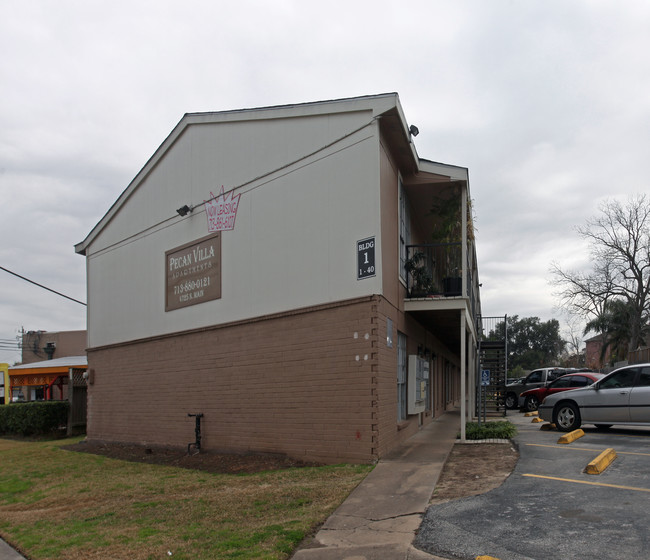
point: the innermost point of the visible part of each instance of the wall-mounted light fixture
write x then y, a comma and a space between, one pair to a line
184, 210
414, 130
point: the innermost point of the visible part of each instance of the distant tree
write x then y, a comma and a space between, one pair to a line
619, 240
574, 352
615, 323
516, 373
531, 342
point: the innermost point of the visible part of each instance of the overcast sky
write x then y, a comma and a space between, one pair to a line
546, 102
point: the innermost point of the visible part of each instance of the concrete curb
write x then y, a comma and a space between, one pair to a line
600, 463
571, 436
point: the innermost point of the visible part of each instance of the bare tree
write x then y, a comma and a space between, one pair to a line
573, 354
619, 240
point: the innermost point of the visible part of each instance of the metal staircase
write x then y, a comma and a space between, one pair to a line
493, 367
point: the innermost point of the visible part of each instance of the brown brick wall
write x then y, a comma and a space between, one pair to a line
299, 384
318, 385
390, 432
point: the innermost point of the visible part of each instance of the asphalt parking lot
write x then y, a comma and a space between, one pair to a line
549, 508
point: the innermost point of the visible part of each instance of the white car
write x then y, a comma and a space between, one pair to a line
622, 397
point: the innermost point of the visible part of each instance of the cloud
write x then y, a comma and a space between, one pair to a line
545, 102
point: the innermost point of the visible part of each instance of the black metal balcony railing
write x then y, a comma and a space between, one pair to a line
434, 270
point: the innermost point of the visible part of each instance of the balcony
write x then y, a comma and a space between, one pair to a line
434, 270
438, 287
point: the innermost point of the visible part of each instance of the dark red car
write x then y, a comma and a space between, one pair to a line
529, 400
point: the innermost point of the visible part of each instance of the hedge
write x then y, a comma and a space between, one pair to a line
33, 418
490, 430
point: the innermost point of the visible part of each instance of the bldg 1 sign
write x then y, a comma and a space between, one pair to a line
193, 273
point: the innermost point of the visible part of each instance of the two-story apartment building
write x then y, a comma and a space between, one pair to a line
289, 273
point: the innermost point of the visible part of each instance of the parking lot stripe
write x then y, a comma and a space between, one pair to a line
586, 449
620, 487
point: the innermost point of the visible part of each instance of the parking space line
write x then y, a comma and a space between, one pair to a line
586, 449
610, 434
620, 487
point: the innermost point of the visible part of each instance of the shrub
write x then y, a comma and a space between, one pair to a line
501, 429
34, 418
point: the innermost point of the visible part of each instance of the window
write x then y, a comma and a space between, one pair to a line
644, 378
620, 379
402, 364
580, 381
554, 375
535, 377
561, 383
404, 229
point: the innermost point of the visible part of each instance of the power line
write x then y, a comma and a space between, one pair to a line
41, 286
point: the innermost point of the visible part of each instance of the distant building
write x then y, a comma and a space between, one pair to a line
38, 346
44, 381
4, 383
593, 353
48, 360
276, 270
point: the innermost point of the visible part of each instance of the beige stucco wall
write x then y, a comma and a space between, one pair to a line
294, 239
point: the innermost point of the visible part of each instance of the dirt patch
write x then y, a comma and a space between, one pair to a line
473, 469
211, 462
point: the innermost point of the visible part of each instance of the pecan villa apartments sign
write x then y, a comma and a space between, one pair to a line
193, 273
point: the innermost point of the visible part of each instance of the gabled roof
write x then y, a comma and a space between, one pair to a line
386, 106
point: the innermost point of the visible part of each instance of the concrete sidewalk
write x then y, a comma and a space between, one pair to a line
8, 553
379, 518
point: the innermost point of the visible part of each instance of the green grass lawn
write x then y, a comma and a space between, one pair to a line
62, 504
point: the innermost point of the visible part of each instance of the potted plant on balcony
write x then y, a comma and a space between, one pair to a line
448, 232
421, 283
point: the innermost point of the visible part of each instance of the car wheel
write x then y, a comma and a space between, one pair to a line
566, 417
531, 404
511, 400
603, 426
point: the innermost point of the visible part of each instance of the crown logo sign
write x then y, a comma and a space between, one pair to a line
222, 211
